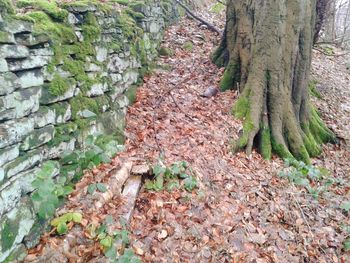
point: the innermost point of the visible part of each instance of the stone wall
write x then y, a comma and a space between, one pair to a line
63, 76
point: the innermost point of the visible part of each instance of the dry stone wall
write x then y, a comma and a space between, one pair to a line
60, 82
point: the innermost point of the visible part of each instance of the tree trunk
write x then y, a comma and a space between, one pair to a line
266, 48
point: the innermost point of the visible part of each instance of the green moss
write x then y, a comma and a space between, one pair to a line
314, 149
319, 130
121, 2
6, 7
104, 7
280, 150
65, 129
241, 108
58, 85
302, 155
80, 103
128, 26
49, 7
231, 76
130, 93
265, 143
188, 46
313, 90
8, 234
166, 52
58, 32
136, 15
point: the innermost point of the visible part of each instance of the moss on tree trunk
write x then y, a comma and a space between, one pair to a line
266, 48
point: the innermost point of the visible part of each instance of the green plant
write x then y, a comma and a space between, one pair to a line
97, 149
99, 186
188, 46
60, 223
168, 177
110, 240
315, 180
346, 242
49, 192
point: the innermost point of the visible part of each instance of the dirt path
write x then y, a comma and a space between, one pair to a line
243, 211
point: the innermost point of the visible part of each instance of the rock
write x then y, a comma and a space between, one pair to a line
14, 226
97, 89
81, 8
63, 112
101, 53
130, 77
8, 83
8, 154
44, 116
86, 114
46, 51
72, 19
12, 131
91, 67
29, 63
117, 65
210, 92
31, 40
56, 151
38, 137
6, 38
22, 163
3, 65
24, 101
115, 77
16, 26
31, 78
10, 196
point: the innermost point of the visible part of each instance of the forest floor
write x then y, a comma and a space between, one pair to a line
241, 210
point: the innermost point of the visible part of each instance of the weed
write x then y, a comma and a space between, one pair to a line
61, 222
49, 192
315, 180
168, 177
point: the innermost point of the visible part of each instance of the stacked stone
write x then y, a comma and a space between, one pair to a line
30, 115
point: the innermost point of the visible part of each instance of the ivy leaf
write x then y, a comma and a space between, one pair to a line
173, 185
158, 170
345, 205
109, 220
101, 187
77, 217
347, 244
62, 228
46, 210
190, 183
91, 189
106, 242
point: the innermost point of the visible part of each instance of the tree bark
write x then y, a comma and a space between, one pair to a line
266, 49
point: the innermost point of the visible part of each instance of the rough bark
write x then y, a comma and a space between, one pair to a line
266, 49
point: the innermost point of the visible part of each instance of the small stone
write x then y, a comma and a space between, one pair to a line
31, 40
44, 116
163, 234
210, 92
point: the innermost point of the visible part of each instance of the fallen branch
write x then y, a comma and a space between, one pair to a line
331, 55
114, 185
210, 26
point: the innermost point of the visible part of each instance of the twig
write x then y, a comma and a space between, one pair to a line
177, 105
210, 26
331, 55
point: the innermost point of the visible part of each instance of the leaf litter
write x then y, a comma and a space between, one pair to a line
243, 211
